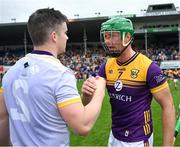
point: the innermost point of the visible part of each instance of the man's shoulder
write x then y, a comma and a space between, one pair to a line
142, 56
47, 62
144, 60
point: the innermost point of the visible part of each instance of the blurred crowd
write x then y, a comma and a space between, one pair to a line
162, 54
84, 65
87, 64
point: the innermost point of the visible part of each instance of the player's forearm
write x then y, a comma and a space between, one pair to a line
168, 125
88, 115
82, 118
92, 110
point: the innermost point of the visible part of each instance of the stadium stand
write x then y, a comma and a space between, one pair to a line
157, 34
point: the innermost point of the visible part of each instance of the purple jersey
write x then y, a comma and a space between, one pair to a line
130, 86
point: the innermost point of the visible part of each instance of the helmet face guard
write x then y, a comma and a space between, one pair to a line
116, 25
110, 47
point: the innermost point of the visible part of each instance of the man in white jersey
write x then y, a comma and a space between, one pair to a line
40, 96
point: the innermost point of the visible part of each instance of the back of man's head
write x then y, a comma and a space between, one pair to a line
42, 22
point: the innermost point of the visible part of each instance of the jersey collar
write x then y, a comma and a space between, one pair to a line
129, 60
41, 52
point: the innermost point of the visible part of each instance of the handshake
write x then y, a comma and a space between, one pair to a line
91, 86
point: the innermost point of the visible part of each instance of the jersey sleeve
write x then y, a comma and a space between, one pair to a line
102, 72
66, 90
155, 78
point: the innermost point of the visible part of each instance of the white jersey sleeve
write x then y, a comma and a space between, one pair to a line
66, 90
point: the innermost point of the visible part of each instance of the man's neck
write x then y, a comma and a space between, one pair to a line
126, 55
47, 49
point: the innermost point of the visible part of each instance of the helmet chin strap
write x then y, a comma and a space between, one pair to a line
124, 44
117, 54
120, 53
123, 37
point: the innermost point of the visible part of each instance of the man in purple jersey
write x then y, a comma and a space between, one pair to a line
131, 81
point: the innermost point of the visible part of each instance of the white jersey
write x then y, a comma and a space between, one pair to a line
34, 88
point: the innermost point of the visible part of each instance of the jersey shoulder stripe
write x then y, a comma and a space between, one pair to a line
68, 102
159, 88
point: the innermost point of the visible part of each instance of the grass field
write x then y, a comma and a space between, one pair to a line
100, 132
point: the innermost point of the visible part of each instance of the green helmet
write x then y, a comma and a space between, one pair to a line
120, 24
117, 24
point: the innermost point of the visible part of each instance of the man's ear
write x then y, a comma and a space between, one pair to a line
53, 36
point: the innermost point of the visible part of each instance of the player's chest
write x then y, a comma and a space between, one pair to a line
126, 73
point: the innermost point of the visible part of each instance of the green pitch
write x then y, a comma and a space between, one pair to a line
99, 134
